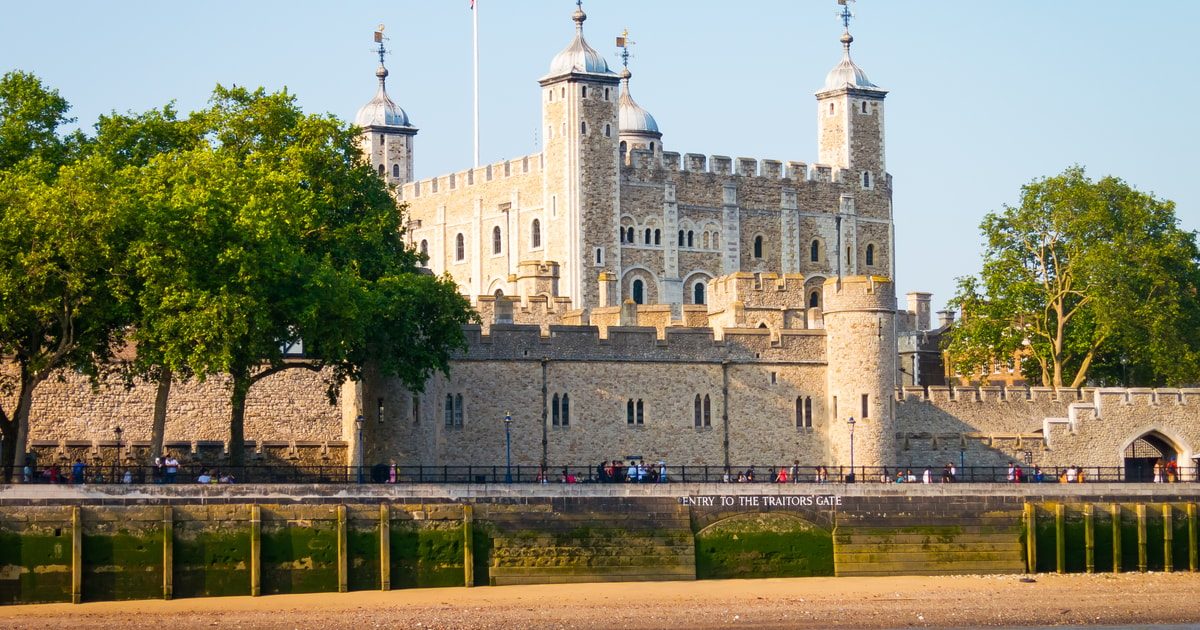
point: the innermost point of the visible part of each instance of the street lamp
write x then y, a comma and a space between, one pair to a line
851, 423
117, 457
508, 447
358, 424
1124, 371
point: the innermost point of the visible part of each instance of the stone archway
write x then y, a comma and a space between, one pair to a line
1142, 453
763, 545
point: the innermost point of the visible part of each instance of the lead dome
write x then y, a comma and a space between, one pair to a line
579, 56
381, 111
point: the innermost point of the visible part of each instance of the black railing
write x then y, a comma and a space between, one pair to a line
384, 474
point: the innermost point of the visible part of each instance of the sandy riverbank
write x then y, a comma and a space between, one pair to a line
891, 602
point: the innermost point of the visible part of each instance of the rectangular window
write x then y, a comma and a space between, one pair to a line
834, 410
416, 409
865, 406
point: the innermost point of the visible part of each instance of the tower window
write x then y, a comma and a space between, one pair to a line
555, 419
623, 147
814, 299
583, 91
496, 240
566, 410
607, 131
866, 179
691, 238
648, 236
425, 248
599, 255
758, 247
606, 94
395, 170
698, 417
583, 128
866, 399
639, 292
832, 109
535, 234
658, 237
698, 293
864, 107
651, 145
681, 238
382, 172
870, 255
707, 411
460, 247
814, 251
629, 236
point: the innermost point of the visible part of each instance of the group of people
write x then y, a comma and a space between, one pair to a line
1168, 471
636, 472
165, 469
216, 477
949, 475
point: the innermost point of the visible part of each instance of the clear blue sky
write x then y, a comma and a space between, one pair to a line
985, 96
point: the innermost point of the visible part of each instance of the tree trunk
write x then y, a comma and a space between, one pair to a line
158, 425
16, 431
8, 429
237, 423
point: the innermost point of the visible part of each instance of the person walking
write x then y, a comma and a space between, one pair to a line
172, 467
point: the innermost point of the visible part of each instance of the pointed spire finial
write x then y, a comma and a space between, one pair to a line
379, 40
579, 16
845, 13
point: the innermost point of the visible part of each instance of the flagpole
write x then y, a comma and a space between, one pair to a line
475, 28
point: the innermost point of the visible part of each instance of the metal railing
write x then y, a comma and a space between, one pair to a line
383, 474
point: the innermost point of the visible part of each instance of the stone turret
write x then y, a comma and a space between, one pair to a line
861, 346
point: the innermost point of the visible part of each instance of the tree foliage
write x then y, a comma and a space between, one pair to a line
1079, 277
214, 242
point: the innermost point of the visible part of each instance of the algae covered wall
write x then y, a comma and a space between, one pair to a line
94, 543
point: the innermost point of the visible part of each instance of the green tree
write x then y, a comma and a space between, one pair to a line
274, 231
1079, 275
61, 233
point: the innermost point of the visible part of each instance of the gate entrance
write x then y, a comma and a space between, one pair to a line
1142, 454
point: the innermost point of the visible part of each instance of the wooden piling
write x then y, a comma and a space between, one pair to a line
1089, 537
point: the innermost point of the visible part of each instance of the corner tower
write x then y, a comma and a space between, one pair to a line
850, 116
579, 116
387, 139
861, 346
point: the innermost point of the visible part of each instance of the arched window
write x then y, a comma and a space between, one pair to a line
866, 179
799, 412
395, 170
566, 410
583, 128
449, 410
606, 94
808, 411
716, 241
648, 236
424, 247
460, 247
681, 238
699, 416
497, 242
535, 234
583, 91
629, 236
641, 412
814, 251
831, 109
758, 247
599, 255
629, 417
704, 243
651, 146
707, 411
691, 238
658, 237
639, 292
864, 107
814, 299
555, 419
607, 131
698, 293
623, 147
382, 172
458, 410
870, 255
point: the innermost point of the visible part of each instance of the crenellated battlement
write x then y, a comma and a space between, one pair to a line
503, 169
765, 169
642, 343
1101, 396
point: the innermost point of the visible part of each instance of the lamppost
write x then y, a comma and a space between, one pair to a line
358, 424
851, 423
508, 447
1124, 371
117, 457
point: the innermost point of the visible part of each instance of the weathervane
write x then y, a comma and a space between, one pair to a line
845, 13
379, 40
623, 42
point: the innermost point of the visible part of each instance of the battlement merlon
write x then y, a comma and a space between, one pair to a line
766, 169
523, 165
758, 289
